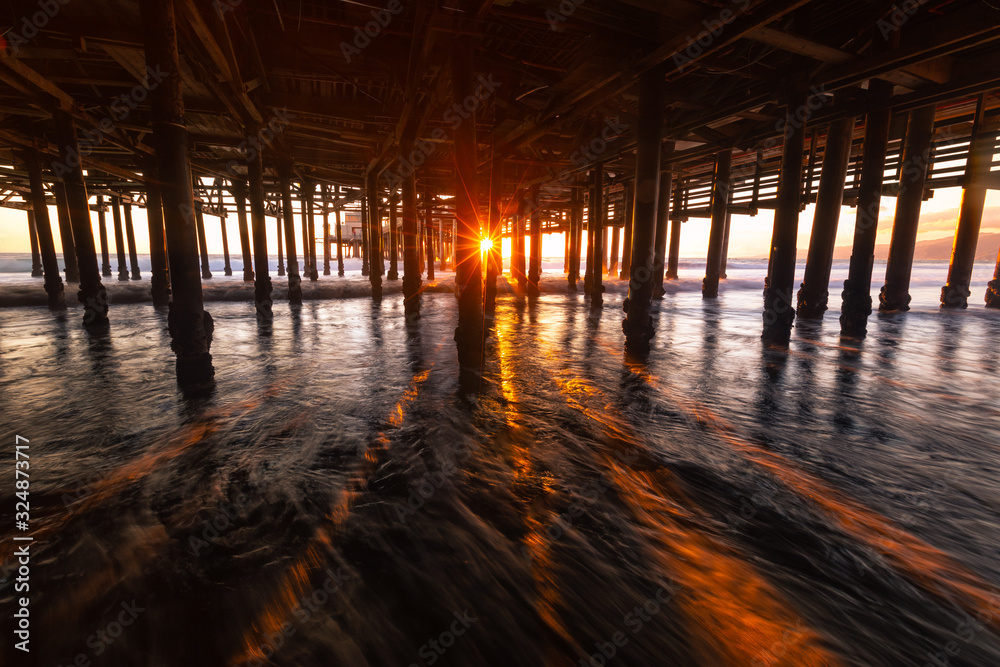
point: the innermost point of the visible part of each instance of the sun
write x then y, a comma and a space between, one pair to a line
485, 245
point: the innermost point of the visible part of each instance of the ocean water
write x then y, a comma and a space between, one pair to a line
339, 501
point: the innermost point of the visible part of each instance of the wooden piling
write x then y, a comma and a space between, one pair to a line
857, 305
119, 238
724, 259
308, 191
629, 223
65, 232
340, 238
159, 276
493, 256
376, 266
895, 294
189, 324
262, 279
227, 268
615, 249
993, 288
393, 236
102, 232
720, 205
428, 226
596, 234
364, 237
956, 291
93, 294
813, 296
133, 254
43, 228
239, 192
588, 272
411, 239
676, 218
199, 214
662, 231
779, 309
575, 236
442, 250
326, 230
535, 260
281, 250
36, 258
605, 246
288, 218
468, 266
518, 268
638, 325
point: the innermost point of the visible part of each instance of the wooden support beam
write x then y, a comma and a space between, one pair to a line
956, 291
190, 325
36, 258
663, 223
595, 235
160, 279
393, 236
629, 213
411, 240
43, 227
93, 294
641, 243
102, 232
857, 304
66, 233
813, 296
895, 294
116, 214
308, 192
535, 254
469, 335
720, 203
326, 231
494, 260
262, 278
288, 220
779, 310
376, 264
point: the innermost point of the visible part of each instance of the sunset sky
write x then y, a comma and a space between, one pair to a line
750, 237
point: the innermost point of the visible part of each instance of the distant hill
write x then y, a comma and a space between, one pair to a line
934, 250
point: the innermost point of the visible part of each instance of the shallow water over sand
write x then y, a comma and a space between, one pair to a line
832, 504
